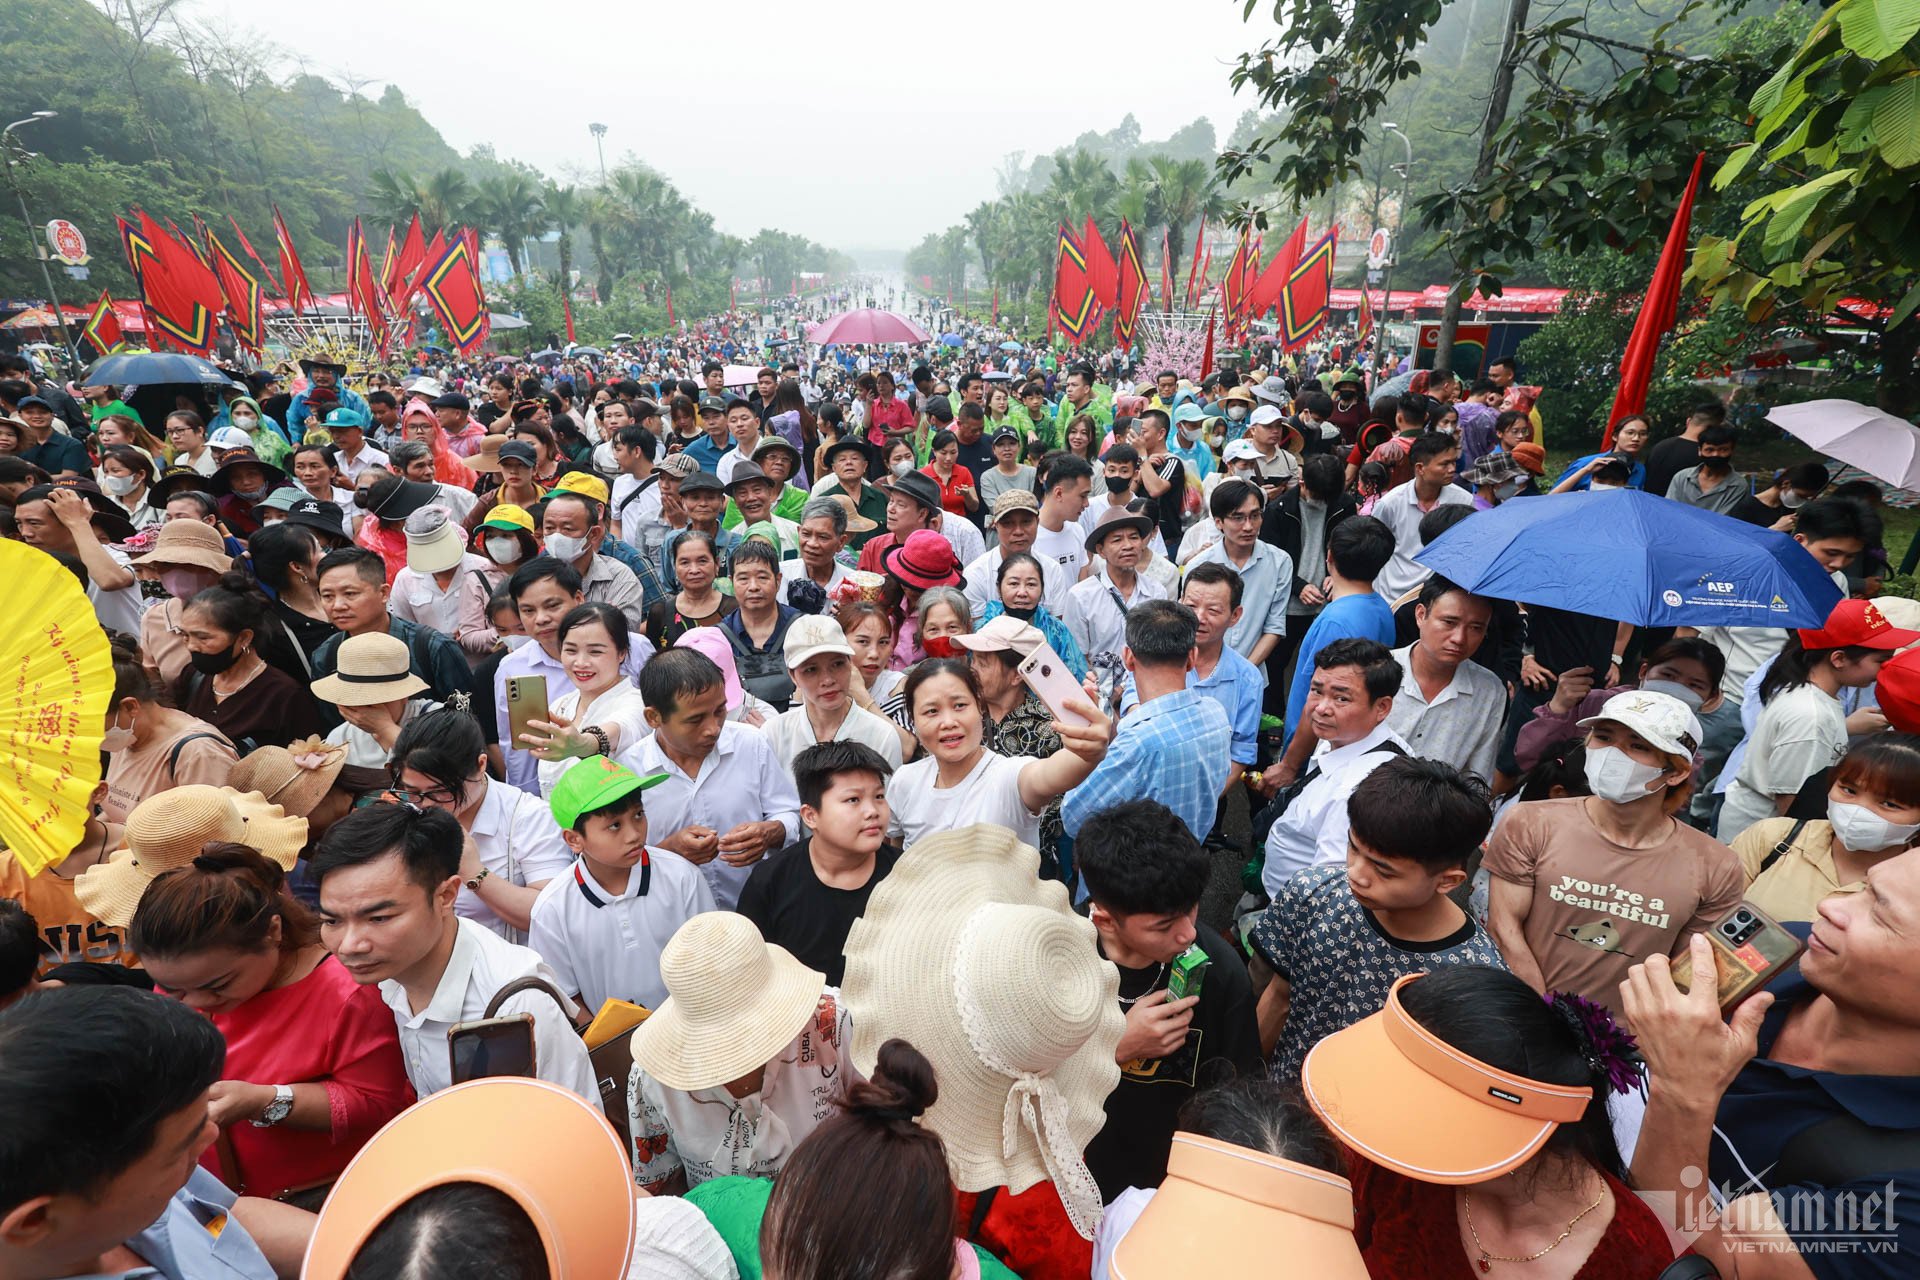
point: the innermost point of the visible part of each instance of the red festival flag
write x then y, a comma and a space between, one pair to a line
247, 246
1206, 356
102, 328
1233, 294
1076, 308
1305, 302
390, 276
1103, 274
1656, 313
1134, 285
242, 293
670, 319
1193, 271
363, 287
1365, 324
178, 292
413, 254
292, 275
1166, 273
1266, 290
452, 288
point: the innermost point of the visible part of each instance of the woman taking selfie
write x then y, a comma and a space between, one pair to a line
313, 1064
960, 782
603, 712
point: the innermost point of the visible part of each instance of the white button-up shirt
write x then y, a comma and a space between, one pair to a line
419, 598
741, 780
480, 965
1313, 830
518, 841
607, 946
1099, 622
367, 457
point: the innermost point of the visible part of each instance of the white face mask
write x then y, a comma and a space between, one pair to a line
1616, 776
1674, 689
514, 642
901, 467
1237, 412
1507, 488
1792, 500
1864, 831
245, 421
565, 547
119, 486
503, 549
118, 739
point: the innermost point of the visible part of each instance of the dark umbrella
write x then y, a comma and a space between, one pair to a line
154, 380
586, 351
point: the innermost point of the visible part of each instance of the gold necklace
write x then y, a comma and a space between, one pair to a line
1486, 1259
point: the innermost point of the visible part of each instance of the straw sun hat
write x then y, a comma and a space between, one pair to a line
734, 1001
295, 776
554, 1154
168, 830
967, 954
370, 670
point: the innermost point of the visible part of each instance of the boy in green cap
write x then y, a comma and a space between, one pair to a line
603, 923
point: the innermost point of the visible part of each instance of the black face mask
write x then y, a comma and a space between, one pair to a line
1024, 615
1716, 466
1118, 484
212, 664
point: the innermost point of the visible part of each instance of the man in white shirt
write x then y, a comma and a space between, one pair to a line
1097, 605
726, 800
1016, 521
1434, 457
822, 534
1450, 708
743, 424
1060, 539
1354, 682
428, 590
1266, 572
351, 452
388, 875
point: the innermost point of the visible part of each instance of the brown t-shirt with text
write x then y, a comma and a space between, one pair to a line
139, 772
1599, 908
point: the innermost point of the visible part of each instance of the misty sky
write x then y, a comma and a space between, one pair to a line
859, 123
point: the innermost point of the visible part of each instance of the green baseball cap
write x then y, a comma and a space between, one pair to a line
595, 783
345, 417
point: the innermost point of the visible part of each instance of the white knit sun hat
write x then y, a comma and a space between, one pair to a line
982, 966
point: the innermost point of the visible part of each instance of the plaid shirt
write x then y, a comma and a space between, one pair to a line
1173, 749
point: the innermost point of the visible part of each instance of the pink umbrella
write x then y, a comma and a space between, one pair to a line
868, 326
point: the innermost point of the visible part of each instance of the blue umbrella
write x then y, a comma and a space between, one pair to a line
952, 340
1010, 345
153, 368
1632, 557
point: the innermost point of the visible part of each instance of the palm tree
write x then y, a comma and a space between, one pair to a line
565, 210
509, 205
601, 219
394, 196
1185, 192
1082, 186
445, 199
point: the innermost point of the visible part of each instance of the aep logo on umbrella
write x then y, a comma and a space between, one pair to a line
1671, 598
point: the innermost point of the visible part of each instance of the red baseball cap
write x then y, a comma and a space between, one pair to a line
1857, 624
1898, 691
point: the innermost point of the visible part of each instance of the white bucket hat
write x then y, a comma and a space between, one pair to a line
966, 953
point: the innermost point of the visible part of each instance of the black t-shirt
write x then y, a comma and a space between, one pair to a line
792, 909
1668, 459
1167, 509
1222, 1044
308, 633
488, 413
1754, 511
1562, 639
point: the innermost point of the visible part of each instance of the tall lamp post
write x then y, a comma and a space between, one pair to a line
1399, 221
599, 132
26, 219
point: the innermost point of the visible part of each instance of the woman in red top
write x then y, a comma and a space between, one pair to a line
313, 1064
1475, 1113
956, 482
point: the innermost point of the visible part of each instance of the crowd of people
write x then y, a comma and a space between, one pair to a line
583, 818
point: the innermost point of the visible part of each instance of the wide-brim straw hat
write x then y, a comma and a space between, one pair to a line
169, 830
188, 542
967, 954
734, 1001
856, 523
1226, 1210
369, 670
296, 777
549, 1150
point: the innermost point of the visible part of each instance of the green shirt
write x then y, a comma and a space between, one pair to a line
734, 1206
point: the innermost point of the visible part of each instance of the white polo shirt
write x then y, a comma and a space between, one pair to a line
968, 543
791, 571
741, 780
480, 965
607, 946
791, 733
518, 841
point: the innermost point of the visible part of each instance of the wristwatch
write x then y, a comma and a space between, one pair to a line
277, 1110
482, 874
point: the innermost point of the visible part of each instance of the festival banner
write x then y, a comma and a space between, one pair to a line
1193, 271
412, 256
247, 246
390, 263
1076, 308
1365, 325
242, 294
1206, 355
670, 319
1304, 302
1134, 285
1103, 273
179, 295
1233, 295
363, 287
102, 328
1657, 312
452, 287
292, 275
1266, 289
1166, 272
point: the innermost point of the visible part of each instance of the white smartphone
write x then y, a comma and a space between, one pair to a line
1051, 678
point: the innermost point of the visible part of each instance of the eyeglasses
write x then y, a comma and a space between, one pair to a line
1240, 517
422, 795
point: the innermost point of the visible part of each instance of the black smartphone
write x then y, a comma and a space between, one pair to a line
492, 1047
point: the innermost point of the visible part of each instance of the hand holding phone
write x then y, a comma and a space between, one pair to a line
1749, 949
492, 1047
526, 702
1051, 678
